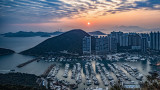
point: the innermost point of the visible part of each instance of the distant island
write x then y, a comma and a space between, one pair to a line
96, 33
4, 51
31, 34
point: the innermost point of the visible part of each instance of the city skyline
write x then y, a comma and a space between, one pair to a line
121, 42
103, 15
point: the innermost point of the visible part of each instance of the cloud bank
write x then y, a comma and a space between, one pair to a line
43, 11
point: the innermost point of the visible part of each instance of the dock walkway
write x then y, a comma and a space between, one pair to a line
25, 63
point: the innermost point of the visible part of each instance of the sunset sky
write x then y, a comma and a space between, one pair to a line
103, 15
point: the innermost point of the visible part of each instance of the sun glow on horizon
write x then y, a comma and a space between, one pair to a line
88, 23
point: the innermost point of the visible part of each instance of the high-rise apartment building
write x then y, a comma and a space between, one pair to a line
87, 45
134, 41
124, 40
102, 45
155, 40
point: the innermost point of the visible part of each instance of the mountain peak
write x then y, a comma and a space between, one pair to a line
70, 41
76, 30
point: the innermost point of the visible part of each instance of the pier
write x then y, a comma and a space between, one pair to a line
48, 70
25, 63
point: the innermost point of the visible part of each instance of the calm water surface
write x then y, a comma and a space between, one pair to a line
19, 44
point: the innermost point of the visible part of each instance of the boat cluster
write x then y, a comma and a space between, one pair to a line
96, 88
57, 84
91, 58
73, 72
135, 58
52, 82
104, 74
76, 73
66, 71
123, 72
90, 75
121, 76
54, 71
132, 71
126, 57
114, 57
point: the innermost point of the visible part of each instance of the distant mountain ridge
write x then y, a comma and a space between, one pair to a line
70, 41
42, 34
31, 34
96, 33
128, 29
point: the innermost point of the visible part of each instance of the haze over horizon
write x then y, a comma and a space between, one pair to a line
102, 15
